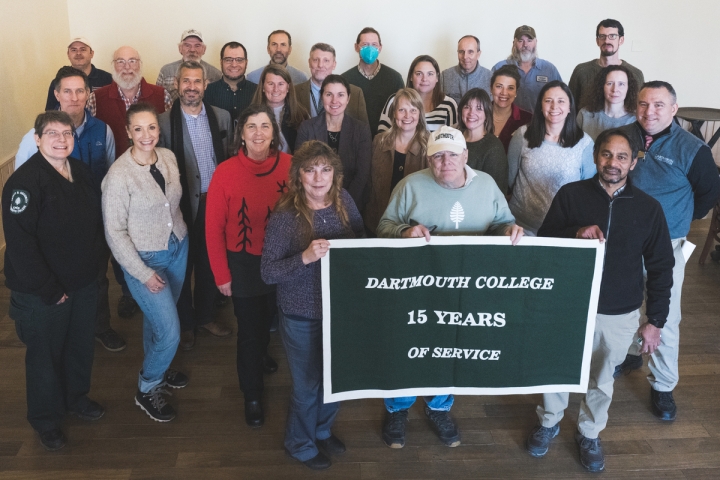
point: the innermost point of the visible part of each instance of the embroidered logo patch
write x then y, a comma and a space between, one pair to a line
19, 201
667, 160
542, 79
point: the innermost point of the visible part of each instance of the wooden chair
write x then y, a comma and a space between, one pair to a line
713, 234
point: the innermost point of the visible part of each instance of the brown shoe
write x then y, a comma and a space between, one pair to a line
217, 329
187, 340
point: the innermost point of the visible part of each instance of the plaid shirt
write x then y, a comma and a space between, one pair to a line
201, 139
92, 102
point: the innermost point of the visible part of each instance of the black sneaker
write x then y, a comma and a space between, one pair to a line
111, 340
94, 411
269, 364
631, 362
332, 445
538, 441
154, 404
444, 426
318, 462
663, 405
53, 439
591, 453
127, 307
175, 379
393, 432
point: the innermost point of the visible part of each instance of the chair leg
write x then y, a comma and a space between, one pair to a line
711, 236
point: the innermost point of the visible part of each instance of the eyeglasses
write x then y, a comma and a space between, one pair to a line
612, 36
130, 61
231, 60
54, 134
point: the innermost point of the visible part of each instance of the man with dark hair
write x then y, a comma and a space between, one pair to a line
603, 207
233, 92
95, 146
80, 54
192, 48
279, 48
677, 169
322, 63
376, 81
534, 72
200, 136
468, 73
609, 35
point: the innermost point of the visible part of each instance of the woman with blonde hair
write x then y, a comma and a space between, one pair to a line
396, 153
314, 210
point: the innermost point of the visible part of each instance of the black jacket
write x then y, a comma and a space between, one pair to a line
635, 231
53, 229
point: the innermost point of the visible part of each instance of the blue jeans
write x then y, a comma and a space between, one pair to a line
309, 419
161, 327
438, 402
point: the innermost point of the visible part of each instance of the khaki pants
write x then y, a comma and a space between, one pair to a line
613, 334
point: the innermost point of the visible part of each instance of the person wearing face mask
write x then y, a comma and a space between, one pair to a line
613, 101
377, 81
485, 151
545, 155
279, 47
396, 153
349, 137
424, 78
277, 92
507, 117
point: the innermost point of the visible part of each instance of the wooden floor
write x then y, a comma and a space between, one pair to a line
209, 438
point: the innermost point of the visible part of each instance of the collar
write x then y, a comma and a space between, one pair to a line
314, 87
202, 113
462, 72
469, 175
240, 82
624, 191
372, 75
122, 95
662, 133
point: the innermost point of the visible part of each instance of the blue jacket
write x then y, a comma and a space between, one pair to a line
90, 147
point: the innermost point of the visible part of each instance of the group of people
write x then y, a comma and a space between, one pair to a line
217, 183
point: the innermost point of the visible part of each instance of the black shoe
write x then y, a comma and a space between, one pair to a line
111, 341
663, 405
187, 340
393, 432
175, 379
53, 439
631, 362
221, 301
538, 441
154, 404
444, 426
254, 415
94, 411
591, 453
127, 307
318, 462
269, 364
332, 445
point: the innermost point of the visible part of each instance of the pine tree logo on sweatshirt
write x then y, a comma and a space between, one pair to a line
457, 214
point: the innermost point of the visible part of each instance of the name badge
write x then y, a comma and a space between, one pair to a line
541, 78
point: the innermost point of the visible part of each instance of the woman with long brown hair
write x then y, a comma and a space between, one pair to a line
314, 210
613, 101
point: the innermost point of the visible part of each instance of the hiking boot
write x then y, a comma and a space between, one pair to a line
393, 432
538, 441
444, 426
631, 362
154, 404
53, 439
663, 405
111, 341
175, 379
94, 411
591, 453
332, 445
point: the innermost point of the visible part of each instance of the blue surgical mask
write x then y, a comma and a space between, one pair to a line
369, 54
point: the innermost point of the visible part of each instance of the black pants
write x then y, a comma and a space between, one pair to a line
60, 351
253, 319
195, 305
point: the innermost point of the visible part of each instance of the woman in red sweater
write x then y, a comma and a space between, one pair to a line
242, 193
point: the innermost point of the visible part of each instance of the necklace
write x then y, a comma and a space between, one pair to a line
154, 156
333, 136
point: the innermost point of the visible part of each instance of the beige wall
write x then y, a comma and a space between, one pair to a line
665, 38
29, 34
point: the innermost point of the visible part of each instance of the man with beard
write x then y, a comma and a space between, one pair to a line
468, 73
192, 48
534, 72
609, 35
110, 103
279, 48
322, 63
677, 169
610, 207
233, 92
200, 136
80, 54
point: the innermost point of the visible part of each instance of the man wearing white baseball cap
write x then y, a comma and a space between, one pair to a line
192, 48
448, 198
80, 54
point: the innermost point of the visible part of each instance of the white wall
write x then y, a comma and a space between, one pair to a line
670, 37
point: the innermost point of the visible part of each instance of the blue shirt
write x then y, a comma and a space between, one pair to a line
532, 82
201, 139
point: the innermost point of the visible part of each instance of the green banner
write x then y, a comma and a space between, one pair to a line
462, 315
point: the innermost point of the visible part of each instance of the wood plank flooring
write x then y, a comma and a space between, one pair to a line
209, 438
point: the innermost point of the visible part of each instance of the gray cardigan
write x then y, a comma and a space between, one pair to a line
138, 217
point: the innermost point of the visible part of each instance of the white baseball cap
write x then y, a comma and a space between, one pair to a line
81, 40
191, 33
446, 138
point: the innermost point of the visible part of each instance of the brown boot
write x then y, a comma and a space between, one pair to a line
217, 329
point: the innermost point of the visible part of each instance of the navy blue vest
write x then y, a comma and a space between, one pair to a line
90, 147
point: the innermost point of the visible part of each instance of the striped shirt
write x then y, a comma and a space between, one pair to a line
444, 114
